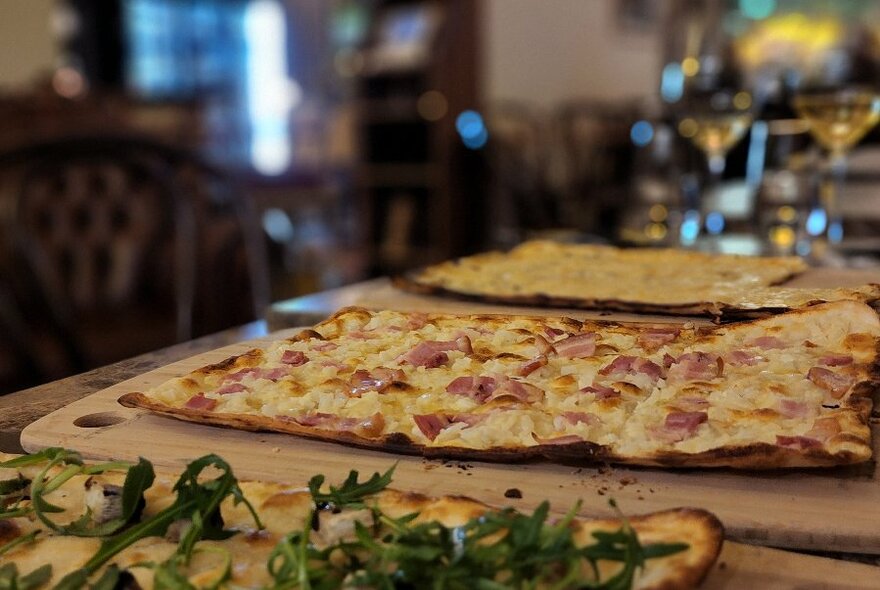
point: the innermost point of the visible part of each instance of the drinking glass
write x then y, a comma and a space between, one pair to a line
714, 121
838, 119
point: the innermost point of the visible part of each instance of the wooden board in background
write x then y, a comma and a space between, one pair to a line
829, 510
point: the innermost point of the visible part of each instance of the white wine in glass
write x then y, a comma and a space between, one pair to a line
714, 127
838, 120
714, 135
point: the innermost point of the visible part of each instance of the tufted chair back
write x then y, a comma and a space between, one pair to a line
119, 245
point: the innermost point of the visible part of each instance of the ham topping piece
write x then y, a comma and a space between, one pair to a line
693, 366
836, 360
767, 343
200, 402
553, 333
624, 365
294, 358
793, 408
739, 358
654, 338
231, 388
379, 379
576, 346
477, 388
543, 347
432, 353
529, 367
601, 392
834, 383
432, 424
325, 346
519, 391
797, 442
679, 426
691, 403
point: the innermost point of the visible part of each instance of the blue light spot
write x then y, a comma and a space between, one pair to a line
470, 124
803, 247
641, 133
714, 223
835, 232
817, 221
757, 9
278, 225
672, 82
690, 227
477, 141
473, 131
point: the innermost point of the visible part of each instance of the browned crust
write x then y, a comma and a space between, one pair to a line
726, 311
755, 456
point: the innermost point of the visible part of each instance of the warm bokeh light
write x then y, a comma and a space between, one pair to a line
655, 231
657, 213
688, 127
690, 66
786, 214
792, 38
742, 100
432, 105
782, 236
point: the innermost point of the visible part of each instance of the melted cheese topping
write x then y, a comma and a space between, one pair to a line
635, 411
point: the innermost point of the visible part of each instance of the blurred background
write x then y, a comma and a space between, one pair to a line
169, 167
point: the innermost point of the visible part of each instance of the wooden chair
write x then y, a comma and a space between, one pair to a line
120, 245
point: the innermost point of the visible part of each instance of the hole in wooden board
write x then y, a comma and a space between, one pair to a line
99, 420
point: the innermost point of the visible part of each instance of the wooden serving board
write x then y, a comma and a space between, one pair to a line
829, 510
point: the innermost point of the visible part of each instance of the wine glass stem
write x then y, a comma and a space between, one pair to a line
836, 176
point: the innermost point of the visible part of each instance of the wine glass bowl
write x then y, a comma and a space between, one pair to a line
714, 121
839, 119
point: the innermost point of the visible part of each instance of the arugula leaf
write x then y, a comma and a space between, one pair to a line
28, 538
48, 454
351, 493
11, 487
11, 580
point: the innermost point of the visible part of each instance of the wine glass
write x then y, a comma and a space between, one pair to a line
714, 121
838, 119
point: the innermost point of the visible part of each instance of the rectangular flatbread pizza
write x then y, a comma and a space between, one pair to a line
645, 280
65, 524
789, 390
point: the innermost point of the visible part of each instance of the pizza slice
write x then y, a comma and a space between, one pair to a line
644, 280
789, 390
67, 524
